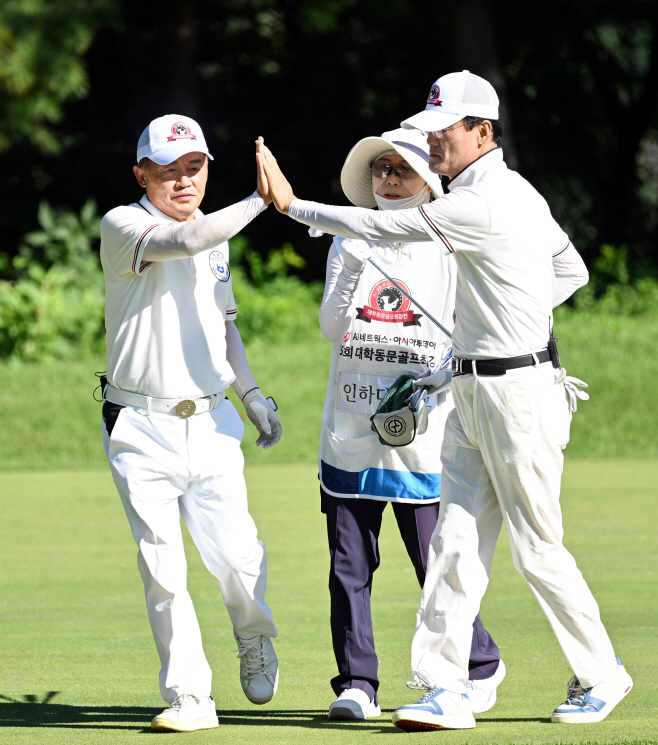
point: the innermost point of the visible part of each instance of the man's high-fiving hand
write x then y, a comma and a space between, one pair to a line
269, 173
262, 185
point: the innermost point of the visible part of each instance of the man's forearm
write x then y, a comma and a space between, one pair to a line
237, 359
357, 222
182, 240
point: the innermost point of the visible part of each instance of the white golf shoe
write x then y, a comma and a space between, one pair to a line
482, 693
259, 668
187, 714
353, 704
587, 705
436, 709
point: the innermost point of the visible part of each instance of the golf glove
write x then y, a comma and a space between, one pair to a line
435, 382
355, 253
263, 417
573, 388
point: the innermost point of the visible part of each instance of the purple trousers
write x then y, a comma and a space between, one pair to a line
353, 527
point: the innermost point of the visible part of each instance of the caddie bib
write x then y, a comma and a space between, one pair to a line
387, 336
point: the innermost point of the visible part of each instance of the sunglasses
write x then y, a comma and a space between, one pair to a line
439, 132
382, 169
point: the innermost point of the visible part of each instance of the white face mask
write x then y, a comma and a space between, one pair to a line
415, 200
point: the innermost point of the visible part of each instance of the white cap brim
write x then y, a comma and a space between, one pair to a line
356, 176
430, 121
177, 150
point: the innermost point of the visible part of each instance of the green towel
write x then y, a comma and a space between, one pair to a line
395, 397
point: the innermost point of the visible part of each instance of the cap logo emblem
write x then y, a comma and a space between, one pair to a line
180, 131
433, 98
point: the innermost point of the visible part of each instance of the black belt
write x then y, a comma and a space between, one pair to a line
498, 367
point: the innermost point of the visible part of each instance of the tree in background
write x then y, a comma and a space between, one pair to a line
584, 92
578, 81
42, 66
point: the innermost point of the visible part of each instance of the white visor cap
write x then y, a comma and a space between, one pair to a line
169, 137
453, 97
356, 176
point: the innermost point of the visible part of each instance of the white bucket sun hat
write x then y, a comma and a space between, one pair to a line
356, 176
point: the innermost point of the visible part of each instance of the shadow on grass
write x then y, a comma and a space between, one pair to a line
33, 712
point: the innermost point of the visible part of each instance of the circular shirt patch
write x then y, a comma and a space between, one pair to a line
219, 266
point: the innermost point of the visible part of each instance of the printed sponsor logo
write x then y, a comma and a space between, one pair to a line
389, 305
181, 131
433, 98
219, 266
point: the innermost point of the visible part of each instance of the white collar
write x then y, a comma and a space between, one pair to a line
491, 160
146, 203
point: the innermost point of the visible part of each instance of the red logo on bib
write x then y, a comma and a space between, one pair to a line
181, 131
389, 305
433, 98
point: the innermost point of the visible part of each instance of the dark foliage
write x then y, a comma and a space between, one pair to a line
578, 81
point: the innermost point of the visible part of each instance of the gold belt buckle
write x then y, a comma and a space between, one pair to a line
185, 408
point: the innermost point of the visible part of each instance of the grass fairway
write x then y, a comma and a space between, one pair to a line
79, 665
58, 424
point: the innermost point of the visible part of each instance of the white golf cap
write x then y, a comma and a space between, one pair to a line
453, 97
169, 137
356, 176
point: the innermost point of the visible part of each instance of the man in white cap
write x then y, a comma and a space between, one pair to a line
502, 451
171, 436
378, 335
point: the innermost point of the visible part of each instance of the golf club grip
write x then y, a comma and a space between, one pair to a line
415, 302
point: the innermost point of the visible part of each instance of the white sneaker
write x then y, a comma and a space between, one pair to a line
482, 693
353, 703
259, 668
436, 709
187, 714
586, 705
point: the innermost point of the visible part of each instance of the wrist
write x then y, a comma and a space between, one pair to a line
347, 280
286, 207
267, 198
251, 390
354, 271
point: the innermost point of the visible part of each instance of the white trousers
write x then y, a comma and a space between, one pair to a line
165, 467
502, 460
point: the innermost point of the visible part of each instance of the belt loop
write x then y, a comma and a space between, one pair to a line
536, 359
475, 371
148, 406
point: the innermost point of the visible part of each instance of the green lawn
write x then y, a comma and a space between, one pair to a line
79, 665
48, 418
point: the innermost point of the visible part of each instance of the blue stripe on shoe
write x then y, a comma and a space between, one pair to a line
427, 702
585, 706
382, 482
